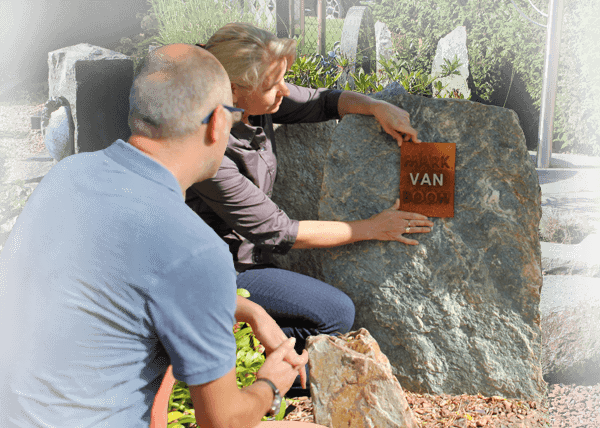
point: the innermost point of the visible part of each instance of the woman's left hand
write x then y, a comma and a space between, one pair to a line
395, 121
270, 335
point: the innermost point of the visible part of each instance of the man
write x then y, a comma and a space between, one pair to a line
108, 277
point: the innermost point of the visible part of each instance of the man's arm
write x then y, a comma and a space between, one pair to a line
247, 311
221, 403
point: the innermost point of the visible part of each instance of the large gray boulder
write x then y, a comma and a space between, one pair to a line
459, 313
96, 83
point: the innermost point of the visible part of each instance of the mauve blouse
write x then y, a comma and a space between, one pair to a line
237, 203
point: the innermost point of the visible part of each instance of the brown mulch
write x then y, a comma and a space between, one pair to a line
566, 406
465, 411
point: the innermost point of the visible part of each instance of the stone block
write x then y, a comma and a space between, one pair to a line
459, 313
96, 83
453, 45
352, 384
58, 135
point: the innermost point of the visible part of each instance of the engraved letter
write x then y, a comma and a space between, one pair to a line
426, 180
444, 164
443, 198
414, 180
439, 179
418, 197
410, 162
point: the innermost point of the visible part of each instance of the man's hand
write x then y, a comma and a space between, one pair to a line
395, 121
271, 337
391, 224
279, 370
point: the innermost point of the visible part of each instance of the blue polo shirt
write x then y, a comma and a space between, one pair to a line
106, 279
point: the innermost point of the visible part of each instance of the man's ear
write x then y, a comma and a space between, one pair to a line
217, 126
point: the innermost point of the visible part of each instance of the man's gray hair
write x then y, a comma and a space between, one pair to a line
172, 96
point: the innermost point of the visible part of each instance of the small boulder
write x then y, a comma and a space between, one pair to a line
449, 47
58, 136
352, 384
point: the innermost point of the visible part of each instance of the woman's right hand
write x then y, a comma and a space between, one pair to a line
391, 225
278, 370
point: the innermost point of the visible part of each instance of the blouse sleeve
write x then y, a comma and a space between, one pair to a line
247, 210
307, 105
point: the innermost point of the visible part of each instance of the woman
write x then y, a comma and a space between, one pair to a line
237, 204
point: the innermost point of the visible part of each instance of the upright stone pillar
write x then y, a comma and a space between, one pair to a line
96, 83
383, 47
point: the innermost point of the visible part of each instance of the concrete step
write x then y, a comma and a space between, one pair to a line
572, 190
561, 292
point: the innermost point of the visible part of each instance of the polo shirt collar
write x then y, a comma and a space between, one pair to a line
141, 164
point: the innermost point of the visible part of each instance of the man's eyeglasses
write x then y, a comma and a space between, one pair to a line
235, 112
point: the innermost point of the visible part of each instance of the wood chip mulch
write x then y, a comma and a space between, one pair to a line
464, 411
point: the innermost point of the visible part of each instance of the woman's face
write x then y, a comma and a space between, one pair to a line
265, 99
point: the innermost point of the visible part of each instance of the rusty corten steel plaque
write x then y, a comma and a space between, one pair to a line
427, 178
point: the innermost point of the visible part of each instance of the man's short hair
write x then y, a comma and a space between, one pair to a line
173, 95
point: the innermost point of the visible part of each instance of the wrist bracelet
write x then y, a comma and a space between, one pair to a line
276, 406
271, 384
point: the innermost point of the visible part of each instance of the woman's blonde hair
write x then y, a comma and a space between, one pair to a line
246, 51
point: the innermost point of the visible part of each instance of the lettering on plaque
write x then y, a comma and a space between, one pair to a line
427, 178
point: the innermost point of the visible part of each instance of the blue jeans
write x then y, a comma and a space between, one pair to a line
302, 306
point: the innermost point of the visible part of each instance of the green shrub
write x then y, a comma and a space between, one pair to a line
194, 21
505, 49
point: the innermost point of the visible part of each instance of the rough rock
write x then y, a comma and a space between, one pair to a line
96, 82
352, 384
301, 156
466, 299
570, 314
383, 43
453, 45
301, 153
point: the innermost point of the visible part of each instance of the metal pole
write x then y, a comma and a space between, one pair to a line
550, 77
321, 27
544, 151
292, 18
301, 47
